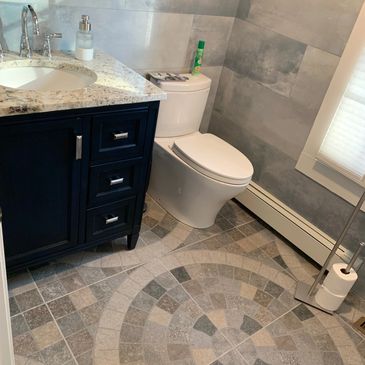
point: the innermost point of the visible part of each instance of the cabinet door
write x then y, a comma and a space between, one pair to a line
40, 187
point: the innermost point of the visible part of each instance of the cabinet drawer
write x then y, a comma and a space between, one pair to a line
114, 181
110, 219
119, 135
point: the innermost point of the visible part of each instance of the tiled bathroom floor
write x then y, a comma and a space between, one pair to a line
221, 296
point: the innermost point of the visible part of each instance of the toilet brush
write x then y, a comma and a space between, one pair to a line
304, 292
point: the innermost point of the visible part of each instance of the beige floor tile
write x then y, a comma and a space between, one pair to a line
82, 298
247, 291
263, 339
160, 316
218, 317
46, 335
203, 356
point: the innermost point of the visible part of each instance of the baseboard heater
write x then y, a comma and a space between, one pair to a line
296, 229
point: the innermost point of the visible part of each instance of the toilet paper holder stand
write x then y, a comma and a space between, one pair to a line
305, 292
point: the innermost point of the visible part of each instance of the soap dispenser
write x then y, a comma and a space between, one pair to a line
84, 40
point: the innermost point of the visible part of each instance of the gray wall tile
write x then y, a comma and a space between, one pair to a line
314, 77
216, 31
206, 7
101, 4
171, 6
216, 7
325, 24
272, 117
144, 34
214, 73
243, 9
275, 172
139, 39
264, 56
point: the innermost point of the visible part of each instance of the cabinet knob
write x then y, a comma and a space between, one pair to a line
111, 219
116, 181
120, 135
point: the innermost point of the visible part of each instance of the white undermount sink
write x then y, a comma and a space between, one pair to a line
45, 78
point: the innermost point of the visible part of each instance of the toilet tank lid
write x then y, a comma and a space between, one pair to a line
214, 157
194, 83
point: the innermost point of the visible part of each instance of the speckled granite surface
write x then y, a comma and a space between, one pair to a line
116, 84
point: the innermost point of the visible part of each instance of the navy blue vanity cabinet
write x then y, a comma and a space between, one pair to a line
73, 179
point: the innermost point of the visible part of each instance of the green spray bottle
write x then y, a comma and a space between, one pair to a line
198, 58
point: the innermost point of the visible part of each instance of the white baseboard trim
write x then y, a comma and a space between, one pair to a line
296, 229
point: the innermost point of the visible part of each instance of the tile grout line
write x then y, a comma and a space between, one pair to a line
265, 327
206, 238
125, 270
59, 329
44, 302
234, 347
114, 275
339, 317
77, 290
203, 311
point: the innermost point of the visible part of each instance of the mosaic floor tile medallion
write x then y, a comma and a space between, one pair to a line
221, 296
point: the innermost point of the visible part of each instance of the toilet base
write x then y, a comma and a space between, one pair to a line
188, 195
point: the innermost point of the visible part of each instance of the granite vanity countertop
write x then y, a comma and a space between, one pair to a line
116, 84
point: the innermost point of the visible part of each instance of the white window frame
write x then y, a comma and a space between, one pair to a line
308, 164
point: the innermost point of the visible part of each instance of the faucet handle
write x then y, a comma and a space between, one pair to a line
47, 51
52, 35
55, 35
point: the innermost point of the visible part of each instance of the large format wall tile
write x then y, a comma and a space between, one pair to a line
139, 39
325, 24
275, 171
314, 77
206, 7
216, 7
272, 117
216, 31
173, 6
264, 56
144, 34
243, 9
214, 73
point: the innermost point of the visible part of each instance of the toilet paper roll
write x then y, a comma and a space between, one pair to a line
339, 283
328, 300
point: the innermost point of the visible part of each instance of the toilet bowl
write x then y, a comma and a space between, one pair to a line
189, 192
193, 174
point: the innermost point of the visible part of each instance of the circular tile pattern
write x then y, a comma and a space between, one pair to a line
196, 314
215, 313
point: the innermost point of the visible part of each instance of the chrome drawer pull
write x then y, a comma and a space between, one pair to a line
78, 147
111, 220
118, 136
116, 181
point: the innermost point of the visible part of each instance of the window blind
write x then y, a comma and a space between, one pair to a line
343, 147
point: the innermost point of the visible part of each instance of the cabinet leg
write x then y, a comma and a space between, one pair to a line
132, 241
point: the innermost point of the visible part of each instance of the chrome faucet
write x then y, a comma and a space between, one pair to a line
3, 45
25, 48
1, 52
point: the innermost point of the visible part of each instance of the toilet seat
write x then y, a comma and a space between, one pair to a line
214, 157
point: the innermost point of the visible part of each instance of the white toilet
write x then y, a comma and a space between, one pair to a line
193, 174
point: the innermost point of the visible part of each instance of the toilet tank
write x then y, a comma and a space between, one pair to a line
183, 110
